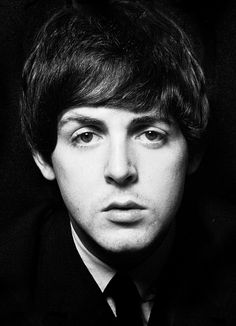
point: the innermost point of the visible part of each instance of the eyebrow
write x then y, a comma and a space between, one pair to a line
134, 123
81, 119
148, 120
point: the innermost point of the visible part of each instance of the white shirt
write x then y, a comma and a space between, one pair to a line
144, 276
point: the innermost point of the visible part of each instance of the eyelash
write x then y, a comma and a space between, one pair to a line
156, 134
161, 137
77, 138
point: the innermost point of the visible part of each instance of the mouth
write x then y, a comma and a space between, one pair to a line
123, 206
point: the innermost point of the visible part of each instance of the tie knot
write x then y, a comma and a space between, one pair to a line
127, 300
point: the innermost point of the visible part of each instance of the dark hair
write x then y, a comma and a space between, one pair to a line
126, 55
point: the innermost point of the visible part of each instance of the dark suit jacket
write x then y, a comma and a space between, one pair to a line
43, 278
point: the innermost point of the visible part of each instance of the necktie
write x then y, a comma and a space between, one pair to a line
127, 300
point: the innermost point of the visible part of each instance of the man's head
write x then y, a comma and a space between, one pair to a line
114, 108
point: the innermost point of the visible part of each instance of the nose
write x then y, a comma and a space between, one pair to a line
120, 169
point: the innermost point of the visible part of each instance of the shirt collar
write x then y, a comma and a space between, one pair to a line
101, 272
144, 276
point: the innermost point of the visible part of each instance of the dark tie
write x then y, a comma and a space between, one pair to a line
127, 300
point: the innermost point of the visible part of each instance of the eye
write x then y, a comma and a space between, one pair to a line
85, 138
152, 137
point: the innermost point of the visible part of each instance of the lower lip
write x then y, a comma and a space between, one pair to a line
129, 216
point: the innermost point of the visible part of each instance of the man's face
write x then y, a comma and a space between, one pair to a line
121, 175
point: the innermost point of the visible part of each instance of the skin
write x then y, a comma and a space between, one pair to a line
107, 158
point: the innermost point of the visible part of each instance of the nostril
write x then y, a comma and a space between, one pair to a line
123, 179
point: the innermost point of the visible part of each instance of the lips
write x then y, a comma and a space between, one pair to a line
123, 206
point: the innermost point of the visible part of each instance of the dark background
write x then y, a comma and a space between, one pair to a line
213, 26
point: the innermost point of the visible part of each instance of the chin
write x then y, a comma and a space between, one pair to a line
125, 249
126, 254
130, 241
130, 251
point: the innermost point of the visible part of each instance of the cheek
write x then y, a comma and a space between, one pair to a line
72, 169
164, 175
78, 181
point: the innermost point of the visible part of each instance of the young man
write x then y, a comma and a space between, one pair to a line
114, 109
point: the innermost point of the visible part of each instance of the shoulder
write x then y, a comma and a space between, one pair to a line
205, 267
19, 246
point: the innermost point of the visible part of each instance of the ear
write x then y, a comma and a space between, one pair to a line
194, 162
45, 168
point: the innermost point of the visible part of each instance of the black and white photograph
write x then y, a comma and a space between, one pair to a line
118, 163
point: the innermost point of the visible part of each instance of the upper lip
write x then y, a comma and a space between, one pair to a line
123, 206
